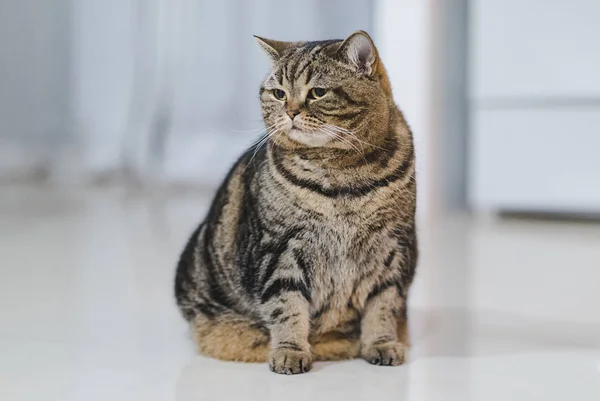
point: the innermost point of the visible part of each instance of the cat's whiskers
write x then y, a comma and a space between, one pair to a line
244, 131
270, 132
335, 135
352, 134
260, 134
258, 131
340, 137
340, 131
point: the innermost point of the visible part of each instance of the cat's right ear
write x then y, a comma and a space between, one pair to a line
273, 48
360, 51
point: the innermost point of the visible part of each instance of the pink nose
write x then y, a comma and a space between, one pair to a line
293, 113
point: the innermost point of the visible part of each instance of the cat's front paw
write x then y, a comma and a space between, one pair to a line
387, 354
289, 361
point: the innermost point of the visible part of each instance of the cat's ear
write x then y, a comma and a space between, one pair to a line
360, 51
273, 48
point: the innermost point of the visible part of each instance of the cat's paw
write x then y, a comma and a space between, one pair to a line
289, 361
387, 354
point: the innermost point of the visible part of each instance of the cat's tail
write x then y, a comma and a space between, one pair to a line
237, 338
329, 348
231, 338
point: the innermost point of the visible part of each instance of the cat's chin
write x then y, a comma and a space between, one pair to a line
312, 139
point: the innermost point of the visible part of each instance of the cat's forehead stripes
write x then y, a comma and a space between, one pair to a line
298, 63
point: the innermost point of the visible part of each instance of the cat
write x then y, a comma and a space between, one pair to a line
309, 248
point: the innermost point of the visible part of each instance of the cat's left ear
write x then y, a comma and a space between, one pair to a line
273, 48
360, 51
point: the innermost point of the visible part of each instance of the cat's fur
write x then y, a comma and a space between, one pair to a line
309, 248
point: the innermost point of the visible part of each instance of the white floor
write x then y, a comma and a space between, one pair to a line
505, 310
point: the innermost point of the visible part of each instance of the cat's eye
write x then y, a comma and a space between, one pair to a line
316, 93
279, 94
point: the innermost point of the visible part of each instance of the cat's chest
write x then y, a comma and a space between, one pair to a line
331, 236
336, 270
331, 290
347, 259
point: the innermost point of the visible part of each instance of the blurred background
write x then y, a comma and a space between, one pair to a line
504, 105
118, 119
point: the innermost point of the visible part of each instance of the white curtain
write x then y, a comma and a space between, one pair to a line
155, 91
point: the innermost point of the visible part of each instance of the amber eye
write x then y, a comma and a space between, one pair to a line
279, 94
316, 93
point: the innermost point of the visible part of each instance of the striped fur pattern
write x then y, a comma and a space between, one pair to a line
309, 248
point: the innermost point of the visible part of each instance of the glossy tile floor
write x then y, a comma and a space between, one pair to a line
501, 310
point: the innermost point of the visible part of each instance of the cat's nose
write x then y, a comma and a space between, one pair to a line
293, 113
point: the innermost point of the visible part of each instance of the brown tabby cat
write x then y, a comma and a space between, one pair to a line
309, 248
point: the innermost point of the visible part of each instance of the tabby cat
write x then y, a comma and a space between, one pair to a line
309, 248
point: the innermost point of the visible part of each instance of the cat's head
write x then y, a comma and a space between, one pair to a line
332, 93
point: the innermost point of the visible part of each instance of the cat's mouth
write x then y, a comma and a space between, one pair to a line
298, 131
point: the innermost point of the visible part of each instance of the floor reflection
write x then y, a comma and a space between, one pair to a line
500, 310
